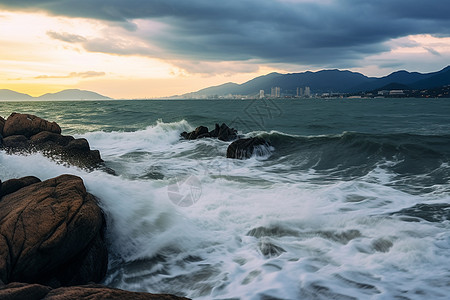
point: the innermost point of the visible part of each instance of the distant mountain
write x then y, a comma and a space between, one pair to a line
71, 94
11, 95
325, 81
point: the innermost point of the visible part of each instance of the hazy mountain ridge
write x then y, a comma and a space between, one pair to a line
69, 94
324, 81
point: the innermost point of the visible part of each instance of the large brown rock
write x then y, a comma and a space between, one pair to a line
13, 185
2, 124
28, 125
28, 133
20, 291
52, 233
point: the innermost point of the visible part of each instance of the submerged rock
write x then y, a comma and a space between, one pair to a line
51, 233
222, 132
245, 148
28, 133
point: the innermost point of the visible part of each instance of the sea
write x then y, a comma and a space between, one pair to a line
351, 200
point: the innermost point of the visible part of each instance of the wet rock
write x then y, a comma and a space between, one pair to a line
2, 124
18, 142
51, 233
28, 133
223, 133
245, 148
13, 185
28, 125
19, 291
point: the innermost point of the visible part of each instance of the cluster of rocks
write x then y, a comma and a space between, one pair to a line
52, 232
240, 148
222, 132
52, 243
28, 133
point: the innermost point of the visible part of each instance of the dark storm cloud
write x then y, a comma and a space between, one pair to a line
301, 32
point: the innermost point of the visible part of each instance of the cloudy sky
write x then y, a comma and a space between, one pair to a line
154, 48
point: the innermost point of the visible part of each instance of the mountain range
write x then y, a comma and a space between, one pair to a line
328, 81
71, 94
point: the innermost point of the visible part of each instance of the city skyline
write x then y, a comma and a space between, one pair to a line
131, 49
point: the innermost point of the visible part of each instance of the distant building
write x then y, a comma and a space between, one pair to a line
275, 92
307, 91
396, 92
261, 94
299, 92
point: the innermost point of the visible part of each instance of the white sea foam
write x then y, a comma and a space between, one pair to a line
255, 229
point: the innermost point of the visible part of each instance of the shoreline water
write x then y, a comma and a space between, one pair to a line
336, 210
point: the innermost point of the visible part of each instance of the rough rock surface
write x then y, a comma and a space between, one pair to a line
51, 233
245, 148
19, 291
28, 133
13, 185
28, 125
222, 132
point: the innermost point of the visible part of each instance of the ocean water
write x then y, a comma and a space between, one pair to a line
352, 201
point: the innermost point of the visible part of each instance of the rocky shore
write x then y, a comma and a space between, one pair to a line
52, 242
29, 133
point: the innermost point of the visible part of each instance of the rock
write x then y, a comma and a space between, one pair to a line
52, 233
245, 148
13, 185
2, 124
49, 138
223, 133
19, 142
20, 291
28, 125
99, 292
28, 133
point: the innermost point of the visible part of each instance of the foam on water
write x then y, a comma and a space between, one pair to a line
257, 230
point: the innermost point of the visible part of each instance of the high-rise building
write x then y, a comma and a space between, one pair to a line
261, 94
275, 92
299, 92
307, 91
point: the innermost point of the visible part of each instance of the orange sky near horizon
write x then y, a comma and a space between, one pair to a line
41, 53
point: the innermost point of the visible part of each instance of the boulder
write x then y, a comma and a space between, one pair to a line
28, 125
223, 133
19, 142
28, 133
13, 185
50, 138
245, 148
52, 233
19, 291
2, 124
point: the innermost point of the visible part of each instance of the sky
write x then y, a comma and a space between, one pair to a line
156, 48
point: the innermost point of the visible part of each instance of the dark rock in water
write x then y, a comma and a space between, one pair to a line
223, 133
2, 124
28, 125
19, 291
13, 185
245, 148
199, 132
19, 142
23, 132
52, 233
